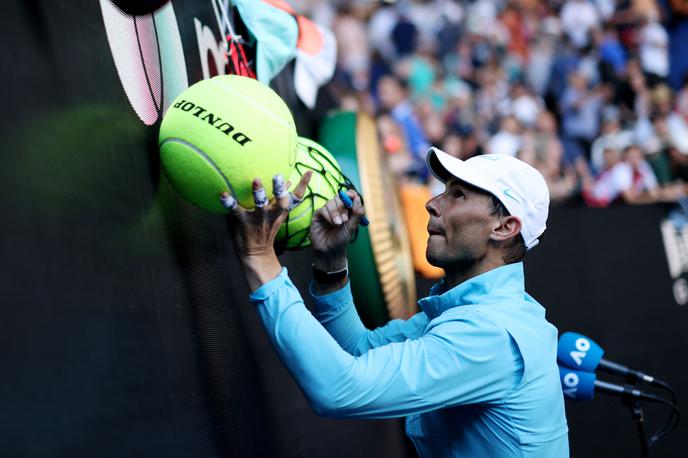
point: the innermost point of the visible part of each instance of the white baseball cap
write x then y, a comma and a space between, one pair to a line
517, 185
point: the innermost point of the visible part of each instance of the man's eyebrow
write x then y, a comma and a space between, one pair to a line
462, 185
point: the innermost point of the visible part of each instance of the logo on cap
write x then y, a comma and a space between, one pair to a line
507, 192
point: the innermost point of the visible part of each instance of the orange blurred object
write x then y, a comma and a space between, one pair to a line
392, 144
310, 39
413, 198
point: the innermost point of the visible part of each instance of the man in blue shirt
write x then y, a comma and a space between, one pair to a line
474, 372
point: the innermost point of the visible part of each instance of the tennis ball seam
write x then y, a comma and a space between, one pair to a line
201, 153
251, 101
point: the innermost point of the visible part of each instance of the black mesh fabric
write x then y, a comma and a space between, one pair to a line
126, 328
335, 181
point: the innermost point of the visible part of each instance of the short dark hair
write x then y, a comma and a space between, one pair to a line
514, 249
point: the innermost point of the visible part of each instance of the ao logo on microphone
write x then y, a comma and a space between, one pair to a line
577, 385
578, 355
578, 352
570, 381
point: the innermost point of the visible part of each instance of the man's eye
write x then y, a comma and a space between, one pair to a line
457, 194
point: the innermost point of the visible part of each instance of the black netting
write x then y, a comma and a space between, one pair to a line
335, 180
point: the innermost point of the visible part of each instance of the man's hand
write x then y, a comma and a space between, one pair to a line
254, 231
331, 231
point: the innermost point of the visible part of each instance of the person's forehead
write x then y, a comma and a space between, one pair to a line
454, 182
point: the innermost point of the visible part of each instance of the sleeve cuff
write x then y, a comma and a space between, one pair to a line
266, 290
333, 301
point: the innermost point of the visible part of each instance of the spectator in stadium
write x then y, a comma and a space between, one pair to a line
470, 146
353, 53
608, 185
662, 155
435, 128
394, 100
460, 114
682, 99
380, 27
613, 136
493, 90
542, 56
566, 60
675, 15
643, 187
580, 107
612, 53
508, 139
398, 158
628, 178
653, 47
578, 19
542, 149
523, 105
656, 123
452, 144
668, 161
404, 36
631, 94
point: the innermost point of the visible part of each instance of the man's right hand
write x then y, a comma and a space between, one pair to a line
331, 231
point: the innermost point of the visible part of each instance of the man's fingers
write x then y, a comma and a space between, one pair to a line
230, 203
296, 196
279, 187
300, 189
334, 209
323, 214
356, 207
293, 201
280, 190
344, 201
260, 198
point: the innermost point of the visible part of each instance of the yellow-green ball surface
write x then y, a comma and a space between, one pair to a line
325, 183
220, 134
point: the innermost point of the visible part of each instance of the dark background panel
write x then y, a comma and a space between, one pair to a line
604, 274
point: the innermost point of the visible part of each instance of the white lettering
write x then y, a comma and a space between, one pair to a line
578, 356
209, 47
570, 393
583, 344
681, 291
571, 379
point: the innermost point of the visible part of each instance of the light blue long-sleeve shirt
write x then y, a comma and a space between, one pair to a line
474, 373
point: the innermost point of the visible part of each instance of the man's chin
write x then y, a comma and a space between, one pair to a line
433, 260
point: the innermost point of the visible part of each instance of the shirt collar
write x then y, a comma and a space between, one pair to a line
491, 286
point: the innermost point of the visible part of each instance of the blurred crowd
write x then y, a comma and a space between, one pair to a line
593, 93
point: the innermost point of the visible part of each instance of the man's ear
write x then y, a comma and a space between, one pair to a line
509, 226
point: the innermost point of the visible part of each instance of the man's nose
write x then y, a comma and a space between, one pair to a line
431, 206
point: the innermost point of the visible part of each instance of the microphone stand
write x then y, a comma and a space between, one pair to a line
639, 420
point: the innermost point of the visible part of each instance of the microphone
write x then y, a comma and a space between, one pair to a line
581, 386
579, 352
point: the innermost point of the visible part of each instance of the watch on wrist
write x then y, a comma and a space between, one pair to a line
322, 276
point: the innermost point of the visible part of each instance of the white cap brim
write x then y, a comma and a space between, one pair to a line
443, 167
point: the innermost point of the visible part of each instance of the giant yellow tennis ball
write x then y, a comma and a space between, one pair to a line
326, 181
220, 134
